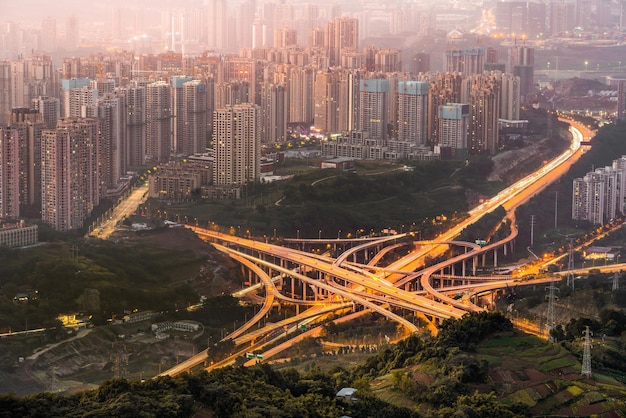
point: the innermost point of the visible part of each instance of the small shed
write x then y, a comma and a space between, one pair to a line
347, 394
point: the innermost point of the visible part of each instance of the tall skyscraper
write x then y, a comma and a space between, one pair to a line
70, 173
217, 14
72, 36
237, 138
49, 34
412, 111
158, 121
247, 12
9, 173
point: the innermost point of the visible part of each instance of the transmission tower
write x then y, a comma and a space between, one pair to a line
570, 265
586, 369
550, 316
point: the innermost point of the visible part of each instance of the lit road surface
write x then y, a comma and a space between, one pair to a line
511, 197
126, 208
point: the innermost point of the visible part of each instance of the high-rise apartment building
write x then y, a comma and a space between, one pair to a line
510, 101
158, 121
413, 111
70, 173
29, 125
178, 104
237, 139
599, 196
467, 61
444, 88
420, 63
9, 173
373, 116
453, 125
194, 118
326, 99
70, 102
135, 97
111, 113
273, 113
388, 60
340, 33
49, 108
484, 103
301, 84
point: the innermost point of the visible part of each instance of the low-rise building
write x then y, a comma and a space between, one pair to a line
18, 234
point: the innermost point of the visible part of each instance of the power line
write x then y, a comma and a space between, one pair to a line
586, 369
551, 315
570, 265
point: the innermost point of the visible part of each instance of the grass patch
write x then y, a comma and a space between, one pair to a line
513, 341
575, 390
523, 397
492, 360
557, 363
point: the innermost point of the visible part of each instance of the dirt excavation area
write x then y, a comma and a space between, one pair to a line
83, 359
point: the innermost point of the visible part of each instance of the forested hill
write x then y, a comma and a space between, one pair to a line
451, 375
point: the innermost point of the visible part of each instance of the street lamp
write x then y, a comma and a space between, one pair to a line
319, 234
586, 65
339, 234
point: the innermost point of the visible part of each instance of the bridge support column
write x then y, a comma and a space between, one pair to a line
293, 288
474, 264
484, 256
452, 270
495, 257
463, 267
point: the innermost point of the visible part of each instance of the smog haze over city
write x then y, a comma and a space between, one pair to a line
323, 147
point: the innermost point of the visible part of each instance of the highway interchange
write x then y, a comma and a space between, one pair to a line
339, 285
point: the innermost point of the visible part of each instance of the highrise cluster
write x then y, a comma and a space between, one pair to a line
71, 132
